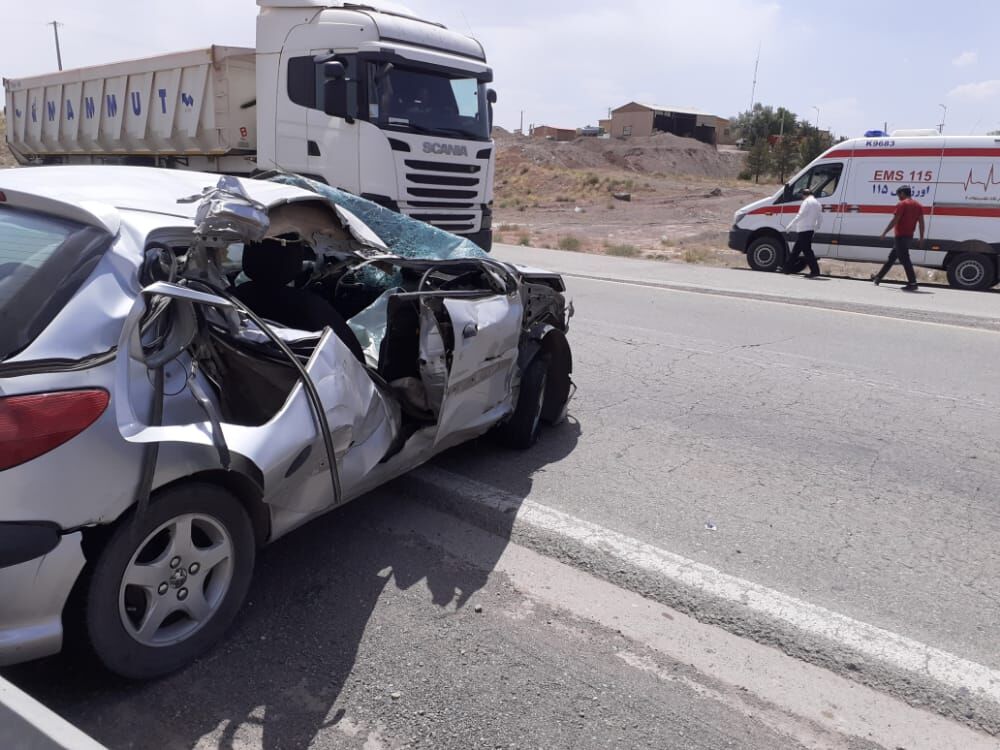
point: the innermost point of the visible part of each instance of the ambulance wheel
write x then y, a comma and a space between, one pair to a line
975, 271
766, 253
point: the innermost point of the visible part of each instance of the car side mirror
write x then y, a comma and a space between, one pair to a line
491, 96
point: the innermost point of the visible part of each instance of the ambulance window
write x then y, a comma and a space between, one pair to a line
822, 179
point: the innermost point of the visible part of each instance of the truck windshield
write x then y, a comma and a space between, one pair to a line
429, 102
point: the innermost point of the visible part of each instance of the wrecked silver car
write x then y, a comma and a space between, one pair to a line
192, 367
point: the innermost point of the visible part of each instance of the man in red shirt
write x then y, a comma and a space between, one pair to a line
908, 216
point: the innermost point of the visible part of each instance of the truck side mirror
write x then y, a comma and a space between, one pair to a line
335, 98
491, 99
336, 91
787, 195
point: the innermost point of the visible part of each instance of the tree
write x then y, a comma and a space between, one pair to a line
786, 157
759, 160
813, 142
763, 122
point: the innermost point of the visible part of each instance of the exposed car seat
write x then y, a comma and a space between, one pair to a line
271, 267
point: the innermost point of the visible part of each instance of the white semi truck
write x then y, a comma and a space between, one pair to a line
364, 97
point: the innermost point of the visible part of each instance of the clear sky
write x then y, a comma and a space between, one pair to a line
566, 62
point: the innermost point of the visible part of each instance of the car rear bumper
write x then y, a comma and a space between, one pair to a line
739, 239
34, 593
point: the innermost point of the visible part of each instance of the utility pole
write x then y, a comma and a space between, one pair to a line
55, 29
522, 122
756, 67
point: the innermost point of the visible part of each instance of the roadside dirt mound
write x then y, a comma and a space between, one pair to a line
660, 154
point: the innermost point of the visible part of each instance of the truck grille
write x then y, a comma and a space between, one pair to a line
452, 189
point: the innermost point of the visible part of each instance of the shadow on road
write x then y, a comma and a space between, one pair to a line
278, 675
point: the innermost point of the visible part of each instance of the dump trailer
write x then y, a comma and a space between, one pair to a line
369, 99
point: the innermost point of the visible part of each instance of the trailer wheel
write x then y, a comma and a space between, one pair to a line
766, 253
975, 271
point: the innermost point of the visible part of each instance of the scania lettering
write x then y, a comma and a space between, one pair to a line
445, 148
364, 97
956, 179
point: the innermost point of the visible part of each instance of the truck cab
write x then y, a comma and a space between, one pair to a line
381, 104
372, 100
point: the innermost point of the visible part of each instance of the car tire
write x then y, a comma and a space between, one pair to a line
521, 430
766, 253
974, 271
169, 583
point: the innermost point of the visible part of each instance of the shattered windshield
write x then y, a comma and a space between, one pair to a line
432, 103
405, 237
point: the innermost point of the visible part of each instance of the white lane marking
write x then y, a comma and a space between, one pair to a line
741, 296
890, 648
28, 723
818, 709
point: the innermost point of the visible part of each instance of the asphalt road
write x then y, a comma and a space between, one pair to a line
851, 460
845, 458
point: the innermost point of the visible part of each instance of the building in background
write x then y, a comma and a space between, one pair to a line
552, 133
635, 119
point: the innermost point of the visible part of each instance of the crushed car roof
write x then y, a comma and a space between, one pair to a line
96, 189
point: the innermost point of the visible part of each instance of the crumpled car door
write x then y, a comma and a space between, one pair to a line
289, 450
478, 391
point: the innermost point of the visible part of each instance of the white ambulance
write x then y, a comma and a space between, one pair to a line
956, 179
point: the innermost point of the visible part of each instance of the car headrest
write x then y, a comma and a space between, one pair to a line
273, 263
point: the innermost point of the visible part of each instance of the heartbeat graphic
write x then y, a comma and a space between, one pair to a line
990, 181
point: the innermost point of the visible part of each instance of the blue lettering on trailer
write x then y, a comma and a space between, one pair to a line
34, 111
17, 112
69, 111
137, 102
89, 108
50, 108
163, 99
112, 105
187, 100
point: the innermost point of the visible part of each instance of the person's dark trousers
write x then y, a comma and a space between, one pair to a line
900, 252
804, 247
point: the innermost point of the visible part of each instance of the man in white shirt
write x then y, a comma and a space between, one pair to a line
806, 222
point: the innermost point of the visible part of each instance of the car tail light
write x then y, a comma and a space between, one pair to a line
31, 426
